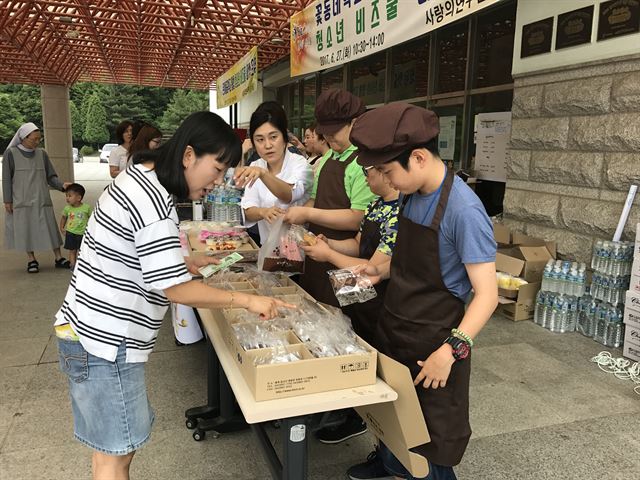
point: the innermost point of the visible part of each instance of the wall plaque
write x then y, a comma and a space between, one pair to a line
617, 18
574, 28
536, 38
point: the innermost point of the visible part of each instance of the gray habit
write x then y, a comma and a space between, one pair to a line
25, 180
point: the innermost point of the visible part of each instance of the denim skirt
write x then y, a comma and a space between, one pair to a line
111, 411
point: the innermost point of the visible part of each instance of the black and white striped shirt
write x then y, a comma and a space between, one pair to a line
130, 254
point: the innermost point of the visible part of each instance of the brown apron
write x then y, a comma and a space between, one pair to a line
419, 315
331, 196
365, 316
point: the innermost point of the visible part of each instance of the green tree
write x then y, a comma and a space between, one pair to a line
25, 99
77, 122
125, 102
183, 103
10, 120
95, 124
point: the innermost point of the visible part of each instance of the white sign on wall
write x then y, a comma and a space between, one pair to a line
447, 138
492, 141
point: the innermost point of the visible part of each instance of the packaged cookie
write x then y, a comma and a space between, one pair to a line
351, 288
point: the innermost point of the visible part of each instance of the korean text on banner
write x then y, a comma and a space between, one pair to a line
331, 32
239, 81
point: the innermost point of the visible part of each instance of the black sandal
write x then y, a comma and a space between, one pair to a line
33, 266
63, 263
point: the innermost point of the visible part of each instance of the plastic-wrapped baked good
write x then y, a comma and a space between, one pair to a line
276, 355
350, 287
281, 251
254, 335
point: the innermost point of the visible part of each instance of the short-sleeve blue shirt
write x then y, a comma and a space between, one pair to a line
465, 235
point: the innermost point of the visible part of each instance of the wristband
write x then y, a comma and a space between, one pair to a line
462, 336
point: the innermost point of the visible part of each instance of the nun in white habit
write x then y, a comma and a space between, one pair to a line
30, 222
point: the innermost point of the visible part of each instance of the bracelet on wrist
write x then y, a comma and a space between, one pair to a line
462, 336
232, 299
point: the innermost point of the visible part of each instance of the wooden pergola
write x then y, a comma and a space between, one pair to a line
168, 43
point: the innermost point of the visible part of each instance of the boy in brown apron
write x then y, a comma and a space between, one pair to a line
340, 195
444, 249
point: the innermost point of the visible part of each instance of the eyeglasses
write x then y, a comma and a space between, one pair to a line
365, 170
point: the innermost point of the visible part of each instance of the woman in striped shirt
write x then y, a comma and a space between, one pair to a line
130, 267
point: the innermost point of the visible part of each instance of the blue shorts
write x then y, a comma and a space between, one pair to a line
72, 241
111, 411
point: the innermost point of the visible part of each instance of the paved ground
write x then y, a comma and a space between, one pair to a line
539, 409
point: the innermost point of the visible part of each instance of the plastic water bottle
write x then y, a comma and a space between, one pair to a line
556, 279
546, 309
564, 315
583, 312
572, 318
581, 282
555, 318
603, 316
234, 199
607, 250
615, 328
592, 317
595, 256
546, 276
538, 311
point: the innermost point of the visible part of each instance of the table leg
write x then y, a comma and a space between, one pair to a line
295, 447
270, 455
212, 408
229, 418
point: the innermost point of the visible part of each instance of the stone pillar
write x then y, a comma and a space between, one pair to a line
57, 129
575, 150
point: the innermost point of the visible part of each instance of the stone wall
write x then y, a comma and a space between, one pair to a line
575, 150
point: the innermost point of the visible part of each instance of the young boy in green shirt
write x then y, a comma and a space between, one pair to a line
73, 222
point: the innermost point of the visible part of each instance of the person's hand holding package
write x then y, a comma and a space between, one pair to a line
247, 176
320, 251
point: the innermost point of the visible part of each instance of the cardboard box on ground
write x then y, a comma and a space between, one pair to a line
631, 348
521, 256
399, 424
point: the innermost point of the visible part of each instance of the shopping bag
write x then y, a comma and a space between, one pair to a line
281, 252
185, 324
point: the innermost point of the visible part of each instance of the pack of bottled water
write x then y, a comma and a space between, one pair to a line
612, 264
568, 278
556, 312
612, 258
590, 316
223, 205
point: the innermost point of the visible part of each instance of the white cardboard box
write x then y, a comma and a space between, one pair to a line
631, 351
631, 343
634, 284
632, 335
631, 318
635, 266
632, 301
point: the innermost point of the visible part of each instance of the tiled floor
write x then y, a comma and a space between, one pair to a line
540, 410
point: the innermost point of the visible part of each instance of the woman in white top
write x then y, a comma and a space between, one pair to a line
279, 178
118, 156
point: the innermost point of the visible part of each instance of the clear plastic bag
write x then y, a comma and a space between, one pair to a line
281, 252
350, 287
276, 355
255, 336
